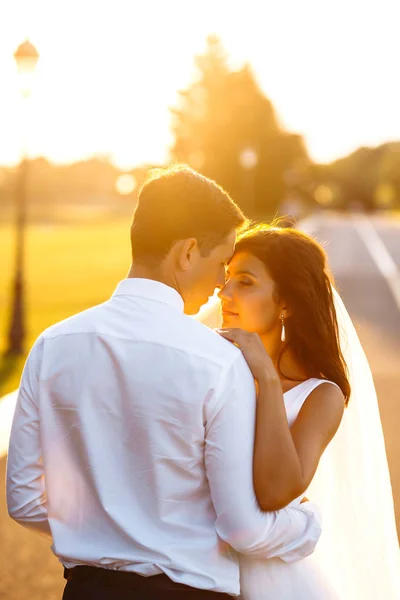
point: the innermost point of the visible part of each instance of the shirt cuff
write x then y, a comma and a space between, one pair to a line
311, 534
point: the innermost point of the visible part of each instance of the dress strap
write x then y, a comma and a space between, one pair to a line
313, 383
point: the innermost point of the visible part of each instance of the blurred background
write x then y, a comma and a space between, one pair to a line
292, 107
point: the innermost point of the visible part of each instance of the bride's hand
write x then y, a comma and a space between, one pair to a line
254, 352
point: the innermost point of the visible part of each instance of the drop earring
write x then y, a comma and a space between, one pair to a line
283, 332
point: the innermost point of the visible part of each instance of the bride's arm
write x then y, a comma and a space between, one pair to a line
285, 460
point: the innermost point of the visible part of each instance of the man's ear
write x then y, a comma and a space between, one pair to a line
186, 253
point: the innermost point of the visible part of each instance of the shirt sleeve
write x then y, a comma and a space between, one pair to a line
291, 533
26, 495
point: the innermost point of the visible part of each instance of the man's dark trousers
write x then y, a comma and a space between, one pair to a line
91, 583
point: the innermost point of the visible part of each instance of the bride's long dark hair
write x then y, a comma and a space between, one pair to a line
299, 268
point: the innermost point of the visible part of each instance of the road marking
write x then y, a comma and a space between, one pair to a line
380, 254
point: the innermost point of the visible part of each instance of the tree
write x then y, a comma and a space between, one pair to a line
224, 119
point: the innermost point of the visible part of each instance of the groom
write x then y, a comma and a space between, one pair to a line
132, 441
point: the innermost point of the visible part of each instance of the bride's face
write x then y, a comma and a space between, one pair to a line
248, 299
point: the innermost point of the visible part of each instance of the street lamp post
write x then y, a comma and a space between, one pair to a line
26, 58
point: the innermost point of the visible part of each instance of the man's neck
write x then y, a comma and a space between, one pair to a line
140, 271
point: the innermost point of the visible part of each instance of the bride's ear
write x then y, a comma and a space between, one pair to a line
285, 311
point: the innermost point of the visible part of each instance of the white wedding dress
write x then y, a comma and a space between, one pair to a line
274, 579
358, 550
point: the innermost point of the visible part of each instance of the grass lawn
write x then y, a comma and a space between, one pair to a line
68, 268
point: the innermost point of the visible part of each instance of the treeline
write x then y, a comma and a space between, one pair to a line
224, 126
81, 190
368, 178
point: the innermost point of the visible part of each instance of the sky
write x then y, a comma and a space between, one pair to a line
110, 69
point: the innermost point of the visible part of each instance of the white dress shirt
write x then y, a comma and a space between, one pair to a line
132, 446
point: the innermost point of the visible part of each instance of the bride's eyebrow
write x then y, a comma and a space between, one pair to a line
242, 273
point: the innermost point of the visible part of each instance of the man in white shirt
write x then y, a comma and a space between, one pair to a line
132, 441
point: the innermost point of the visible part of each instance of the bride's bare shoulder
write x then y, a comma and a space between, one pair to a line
326, 403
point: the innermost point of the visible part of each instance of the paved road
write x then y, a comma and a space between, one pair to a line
28, 570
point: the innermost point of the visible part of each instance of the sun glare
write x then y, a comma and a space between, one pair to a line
108, 72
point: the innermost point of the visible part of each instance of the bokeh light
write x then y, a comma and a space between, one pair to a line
125, 184
323, 195
385, 195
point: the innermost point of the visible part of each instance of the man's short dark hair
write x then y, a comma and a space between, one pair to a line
178, 203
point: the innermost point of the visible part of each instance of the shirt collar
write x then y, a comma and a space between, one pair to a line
151, 290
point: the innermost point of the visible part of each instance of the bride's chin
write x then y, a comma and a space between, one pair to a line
232, 321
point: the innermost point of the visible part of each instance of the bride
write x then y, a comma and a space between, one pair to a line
314, 385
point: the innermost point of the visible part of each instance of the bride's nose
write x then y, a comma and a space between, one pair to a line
224, 293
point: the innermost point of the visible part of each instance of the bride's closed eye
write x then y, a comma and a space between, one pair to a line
245, 282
